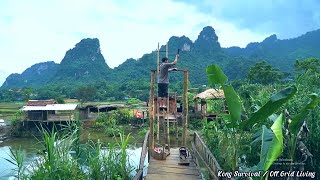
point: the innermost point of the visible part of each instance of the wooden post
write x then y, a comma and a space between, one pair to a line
158, 120
167, 51
185, 108
167, 115
175, 115
151, 110
158, 61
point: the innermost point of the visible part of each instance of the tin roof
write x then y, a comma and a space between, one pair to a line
51, 107
40, 102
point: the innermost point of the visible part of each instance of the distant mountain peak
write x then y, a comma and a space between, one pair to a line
270, 39
175, 43
89, 47
207, 39
83, 62
89, 44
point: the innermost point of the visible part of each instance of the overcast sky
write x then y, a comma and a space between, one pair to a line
35, 31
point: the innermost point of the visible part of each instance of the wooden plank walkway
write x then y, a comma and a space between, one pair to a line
171, 170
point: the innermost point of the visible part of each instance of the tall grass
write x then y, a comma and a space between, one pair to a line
17, 158
91, 161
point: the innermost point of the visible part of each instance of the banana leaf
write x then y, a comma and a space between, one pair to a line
233, 102
271, 144
298, 119
216, 75
275, 102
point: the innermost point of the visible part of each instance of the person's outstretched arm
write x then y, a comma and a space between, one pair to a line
174, 63
176, 59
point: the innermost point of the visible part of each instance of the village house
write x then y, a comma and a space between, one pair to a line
48, 111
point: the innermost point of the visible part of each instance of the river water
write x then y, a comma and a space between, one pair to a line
31, 146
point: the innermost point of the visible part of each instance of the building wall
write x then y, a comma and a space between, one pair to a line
37, 115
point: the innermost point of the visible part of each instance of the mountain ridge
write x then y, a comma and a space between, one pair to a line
84, 63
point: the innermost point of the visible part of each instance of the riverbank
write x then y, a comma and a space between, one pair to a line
91, 142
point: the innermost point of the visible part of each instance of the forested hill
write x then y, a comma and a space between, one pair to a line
36, 75
84, 64
281, 53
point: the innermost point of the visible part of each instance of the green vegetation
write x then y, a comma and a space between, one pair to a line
264, 73
111, 121
8, 110
272, 97
89, 161
277, 124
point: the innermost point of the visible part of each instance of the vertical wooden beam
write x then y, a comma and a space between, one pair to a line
151, 111
158, 60
167, 115
185, 108
175, 114
167, 51
158, 120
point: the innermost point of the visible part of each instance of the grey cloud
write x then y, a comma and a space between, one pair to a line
286, 18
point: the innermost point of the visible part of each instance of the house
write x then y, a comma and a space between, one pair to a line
92, 111
48, 111
201, 102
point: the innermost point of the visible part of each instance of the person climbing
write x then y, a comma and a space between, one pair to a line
163, 79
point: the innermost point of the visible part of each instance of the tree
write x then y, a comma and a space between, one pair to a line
86, 93
264, 73
308, 72
26, 93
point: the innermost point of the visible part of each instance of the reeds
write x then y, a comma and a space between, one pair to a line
17, 158
91, 160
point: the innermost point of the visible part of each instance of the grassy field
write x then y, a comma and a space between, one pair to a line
8, 110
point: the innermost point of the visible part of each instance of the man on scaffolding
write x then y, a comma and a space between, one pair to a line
163, 79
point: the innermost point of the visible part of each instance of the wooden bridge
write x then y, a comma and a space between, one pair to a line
169, 168
167, 162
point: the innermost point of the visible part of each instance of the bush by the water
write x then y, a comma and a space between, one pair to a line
111, 122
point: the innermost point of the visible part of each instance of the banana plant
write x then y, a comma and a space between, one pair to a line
273, 105
271, 144
236, 126
217, 77
296, 122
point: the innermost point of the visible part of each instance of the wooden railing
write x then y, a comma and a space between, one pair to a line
201, 152
144, 151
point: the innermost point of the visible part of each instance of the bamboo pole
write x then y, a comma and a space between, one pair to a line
168, 107
185, 108
151, 110
167, 52
158, 102
158, 61
167, 115
175, 115
158, 120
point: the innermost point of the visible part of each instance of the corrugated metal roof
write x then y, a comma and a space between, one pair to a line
40, 102
51, 107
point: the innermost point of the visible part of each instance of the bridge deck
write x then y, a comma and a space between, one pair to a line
171, 170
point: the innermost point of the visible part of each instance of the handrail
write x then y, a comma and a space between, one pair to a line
144, 151
205, 155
